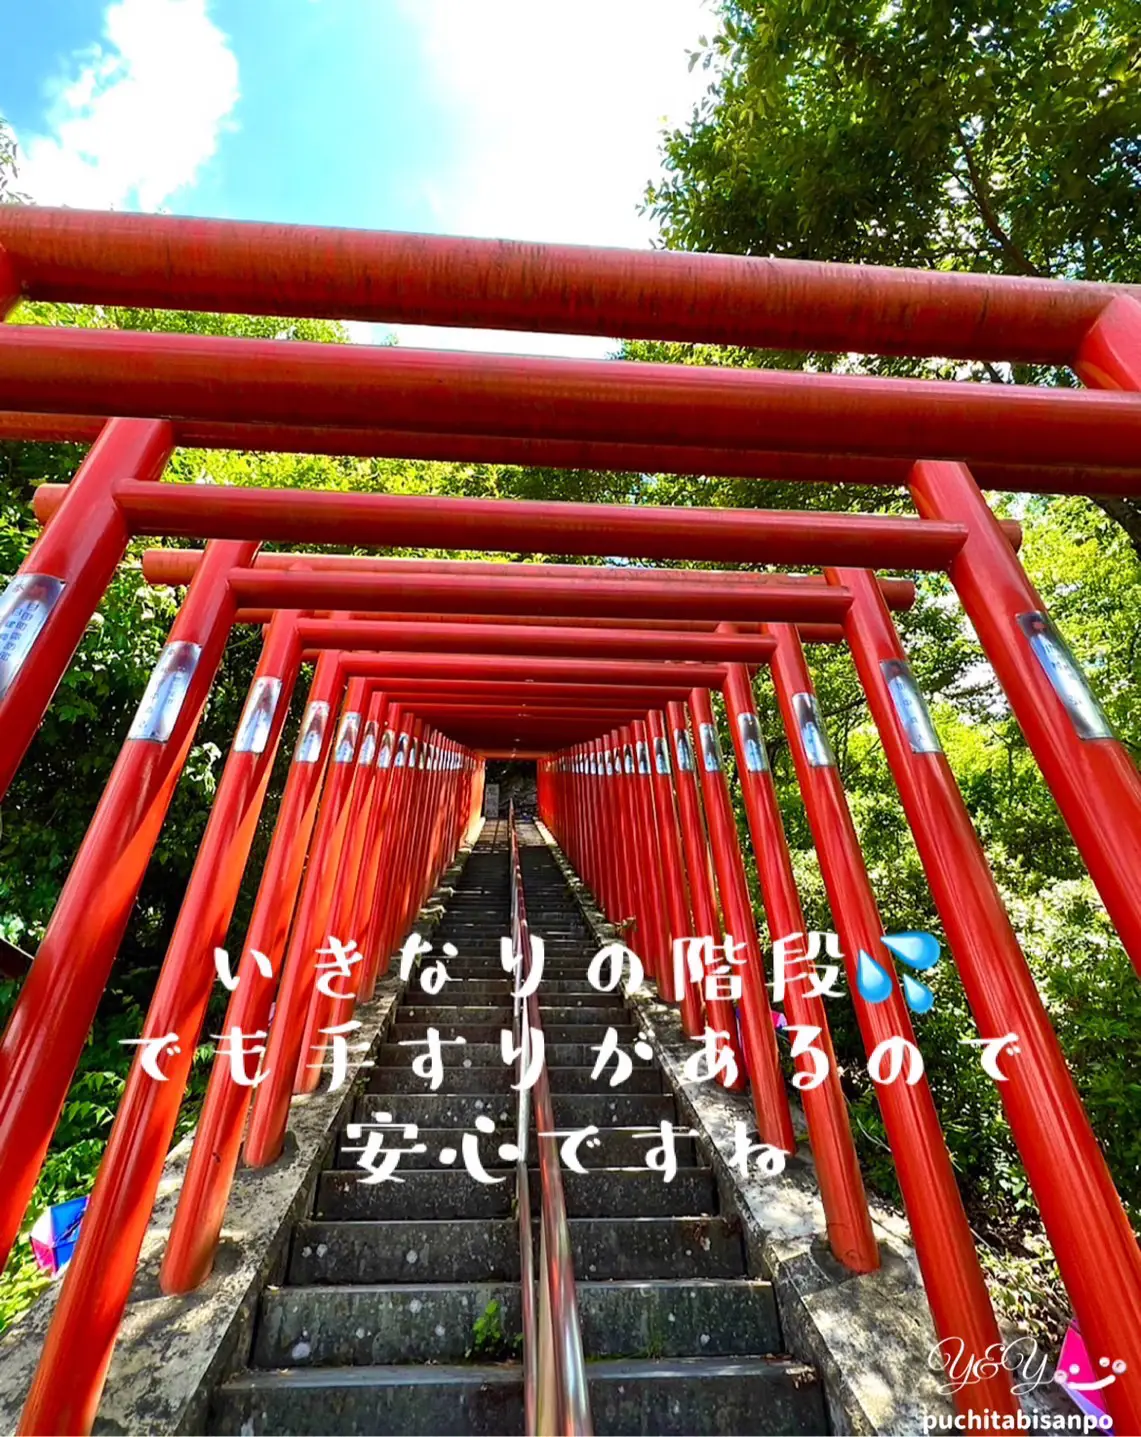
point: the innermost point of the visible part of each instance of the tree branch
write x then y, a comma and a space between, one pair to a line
989, 217
1125, 512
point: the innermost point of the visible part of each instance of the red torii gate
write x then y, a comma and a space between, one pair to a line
62, 383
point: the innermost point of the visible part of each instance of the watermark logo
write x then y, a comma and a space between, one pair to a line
1083, 1380
964, 1369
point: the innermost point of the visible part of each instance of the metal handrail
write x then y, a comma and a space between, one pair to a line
556, 1400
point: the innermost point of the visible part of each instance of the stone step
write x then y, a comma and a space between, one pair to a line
474, 944
455, 1014
627, 1032
485, 901
451, 1192
440, 1400
474, 916
469, 973
562, 917
580, 946
458, 1079
731, 1395
476, 988
612, 1148
362, 1325
486, 950
757, 1395
489, 965
489, 1032
564, 1009
571, 1110
487, 1250
569, 970
490, 1055
561, 1014
575, 995
436, 1322
472, 939
482, 889
491, 896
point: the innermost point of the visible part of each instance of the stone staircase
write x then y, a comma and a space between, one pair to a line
400, 1310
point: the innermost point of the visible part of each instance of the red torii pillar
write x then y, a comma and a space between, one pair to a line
1088, 1228
956, 1289
52, 1016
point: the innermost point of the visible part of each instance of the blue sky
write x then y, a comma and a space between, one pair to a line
530, 119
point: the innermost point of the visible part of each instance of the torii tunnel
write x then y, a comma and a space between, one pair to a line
610, 677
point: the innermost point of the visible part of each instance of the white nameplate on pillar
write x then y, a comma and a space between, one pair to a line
257, 716
24, 609
162, 702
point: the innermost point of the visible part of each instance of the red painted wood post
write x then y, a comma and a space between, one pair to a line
641, 936
284, 1052
363, 920
1088, 1228
401, 836
719, 1014
197, 1226
350, 871
56, 1006
770, 1101
611, 895
677, 896
954, 1282
328, 870
842, 1193
658, 956
98, 1280
48, 605
608, 835
409, 849
1088, 770
355, 856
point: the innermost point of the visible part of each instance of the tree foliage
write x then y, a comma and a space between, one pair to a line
944, 134
1000, 137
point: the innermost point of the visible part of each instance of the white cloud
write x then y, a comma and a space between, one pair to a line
556, 112
133, 118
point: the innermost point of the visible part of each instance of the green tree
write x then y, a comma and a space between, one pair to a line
944, 134
941, 134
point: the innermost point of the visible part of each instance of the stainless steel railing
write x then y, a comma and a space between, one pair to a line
557, 1403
